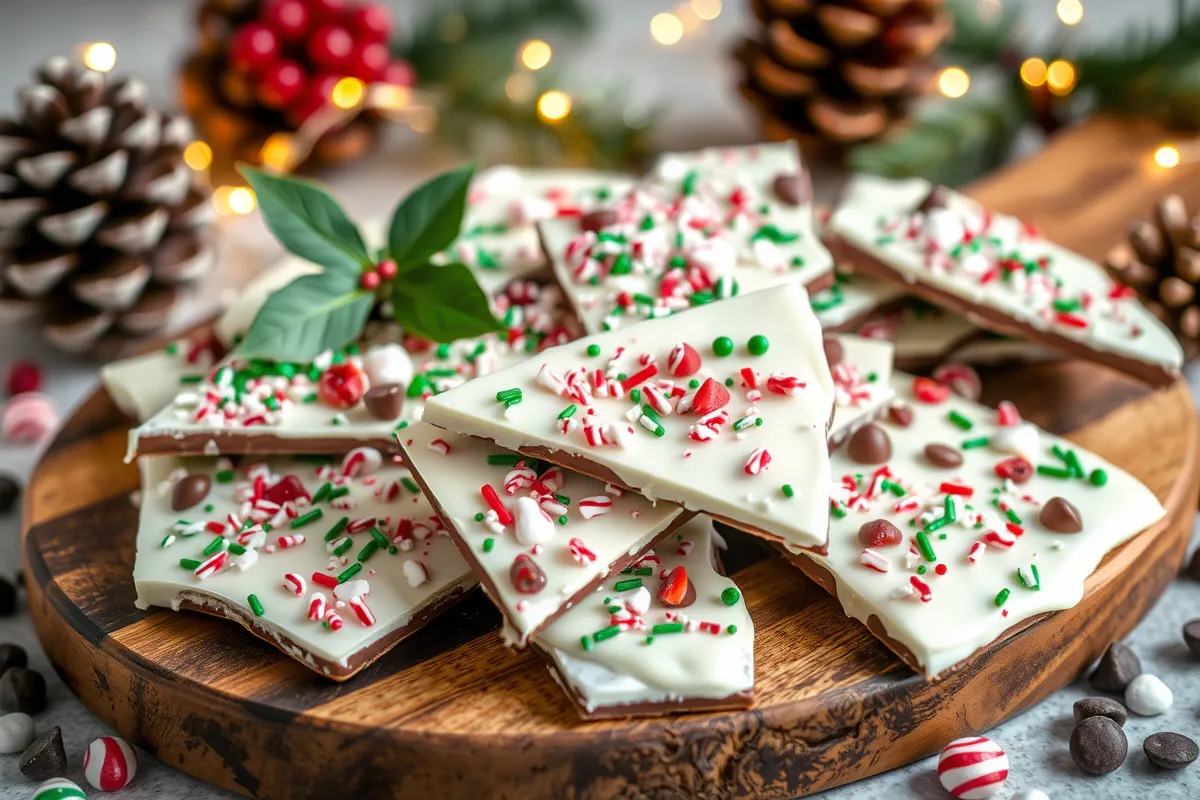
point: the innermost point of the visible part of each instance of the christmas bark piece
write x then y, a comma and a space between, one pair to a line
703, 226
977, 523
143, 385
670, 634
999, 272
541, 539
332, 563
724, 408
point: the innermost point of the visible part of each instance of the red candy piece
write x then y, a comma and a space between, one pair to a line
879, 533
1016, 469
710, 397
684, 360
342, 385
674, 588
930, 391
288, 488
23, 376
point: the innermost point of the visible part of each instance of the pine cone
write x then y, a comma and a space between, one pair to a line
100, 220
840, 72
1162, 262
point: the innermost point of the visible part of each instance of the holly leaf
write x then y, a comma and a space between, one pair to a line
443, 304
308, 221
311, 314
429, 219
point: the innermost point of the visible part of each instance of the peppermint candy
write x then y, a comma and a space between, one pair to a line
594, 506
109, 764
972, 768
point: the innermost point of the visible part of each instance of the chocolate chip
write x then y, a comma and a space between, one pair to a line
8, 598
1193, 567
600, 218
45, 758
870, 444
22, 690
1060, 516
1118, 666
789, 188
1191, 635
943, 455
900, 415
1170, 750
385, 401
10, 490
833, 351
12, 655
1098, 745
527, 577
1100, 707
938, 197
879, 533
190, 491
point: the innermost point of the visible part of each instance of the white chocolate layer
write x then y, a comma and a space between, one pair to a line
142, 385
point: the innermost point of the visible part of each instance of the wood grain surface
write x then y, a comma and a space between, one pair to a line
452, 713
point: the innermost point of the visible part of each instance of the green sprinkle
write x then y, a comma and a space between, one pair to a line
337, 529
626, 585
392, 550
488, 544
191, 378
378, 537
562, 498
236, 549
730, 596
788, 491
208, 509
635, 396
167, 540
172, 349
937, 525
508, 395
411, 485
1001, 597
971, 444
304, 519
757, 345
951, 509
694, 383
503, 459
585, 642
562, 520
667, 627
368, 550
689, 182
959, 420
643, 571
256, 605
732, 629
1053, 472
1098, 477
838, 512
925, 546
729, 381
1012, 516
225, 476
189, 563
722, 346
340, 491
608, 633
1029, 578
322, 493
216, 545
350, 572
921, 569
1074, 465
479, 517
343, 546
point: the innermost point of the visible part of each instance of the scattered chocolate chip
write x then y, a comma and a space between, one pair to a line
8, 598
22, 689
943, 455
45, 758
600, 218
1100, 707
527, 577
385, 401
1098, 745
10, 490
789, 188
12, 655
938, 197
1060, 516
900, 415
1118, 666
870, 444
1193, 567
833, 350
879, 533
1191, 635
190, 490
1170, 750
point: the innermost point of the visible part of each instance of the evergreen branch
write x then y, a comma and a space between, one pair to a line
977, 40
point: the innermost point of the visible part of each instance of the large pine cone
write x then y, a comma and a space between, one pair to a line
1162, 262
100, 219
840, 72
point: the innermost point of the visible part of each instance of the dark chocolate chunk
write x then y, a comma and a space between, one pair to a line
943, 455
1098, 745
12, 655
1191, 635
10, 490
527, 577
600, 218
938, 197
23, 690
1118, 666
833, 350
900, 415
1100, 707
8, 598
789, 188
1170, 750
45, 758
1060, 516
190, 490
384, 402
879, 533
870, 444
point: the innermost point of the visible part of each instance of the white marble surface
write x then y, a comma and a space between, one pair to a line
693, 83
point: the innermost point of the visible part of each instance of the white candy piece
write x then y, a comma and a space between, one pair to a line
1021, 439
1030, 794
352, 589
415, 573
16, 732
532, 526
1148, 696
387, 363
944, 227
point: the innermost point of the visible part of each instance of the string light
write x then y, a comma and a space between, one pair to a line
277, 152
1069, 11
1033, 71
234, 200
1060, 77
535, 54
953, 82
519, 87
1167, 156
100, 56
667, 29
198, 155
554, 105
348, 92
707, 10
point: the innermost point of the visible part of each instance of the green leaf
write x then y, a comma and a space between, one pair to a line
308, 221
430, 218
443, 304
311, 314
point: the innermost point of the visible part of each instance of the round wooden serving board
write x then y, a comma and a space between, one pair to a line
451, 713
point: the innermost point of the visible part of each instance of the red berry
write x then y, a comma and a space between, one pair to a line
253, 47
282, 84
23, 376
368, 62
288, 488
710, 397
342, 385
1016, 469
386, 270
331, 47
369, 281
370, 23
879, 533
930, 391
326, 10
674, 591
400, 73
288, 18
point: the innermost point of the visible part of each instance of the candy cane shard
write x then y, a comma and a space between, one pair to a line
566, 531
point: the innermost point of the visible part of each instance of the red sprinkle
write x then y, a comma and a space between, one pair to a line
639, 377
325, 579
1071, 320
930, 391
493, 501
955, 488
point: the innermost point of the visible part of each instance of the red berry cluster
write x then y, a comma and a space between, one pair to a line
384, 271
297, 50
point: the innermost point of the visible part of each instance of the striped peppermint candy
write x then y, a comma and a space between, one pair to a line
295, 583
758, 461
594, 506
972, 768
109, 764
361, 461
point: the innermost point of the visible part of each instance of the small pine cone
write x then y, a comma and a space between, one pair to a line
1161, 260
100, 219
